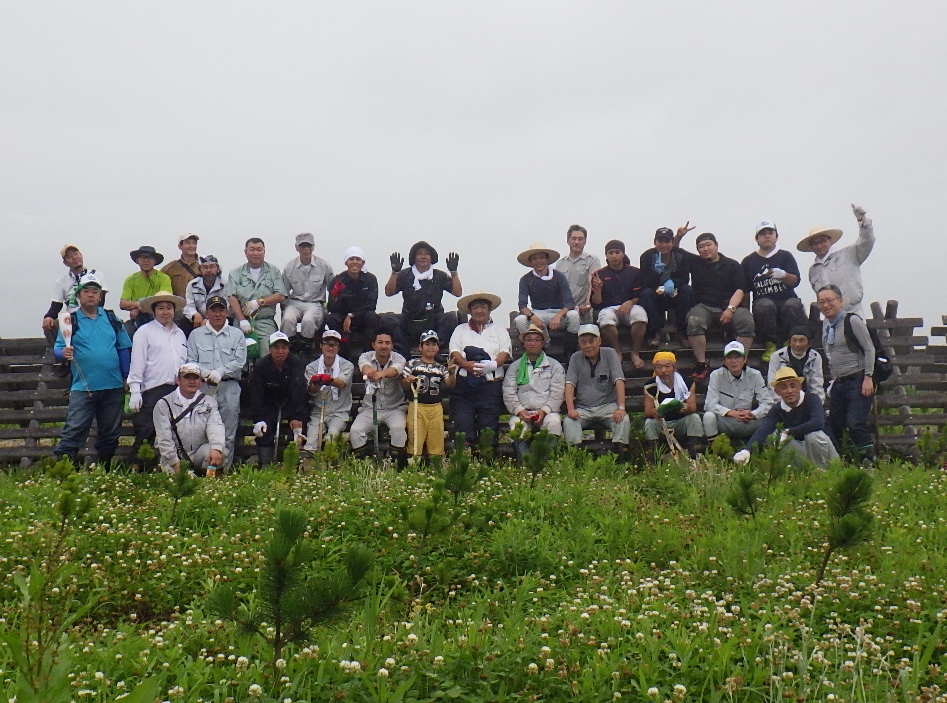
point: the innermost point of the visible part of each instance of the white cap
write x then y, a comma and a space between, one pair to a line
189, 369
734, 347
278, 337
353, 251
766, 224
91, 279
589, 329
331, 334
187, 235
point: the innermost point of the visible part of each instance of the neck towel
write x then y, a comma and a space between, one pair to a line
522, 370
681, 391
336, 371
418, 276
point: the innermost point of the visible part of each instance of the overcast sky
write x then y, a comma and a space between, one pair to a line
481, 127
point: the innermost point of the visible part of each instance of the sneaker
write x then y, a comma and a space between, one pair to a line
770, 348
655, 341
700, 374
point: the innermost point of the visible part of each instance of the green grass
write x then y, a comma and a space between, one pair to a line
594, 585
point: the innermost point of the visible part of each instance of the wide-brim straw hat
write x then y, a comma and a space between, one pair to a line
464, 303
148, 304
786, 373
833, 234
535, 329
536, 248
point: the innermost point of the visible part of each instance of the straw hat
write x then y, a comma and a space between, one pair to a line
535, 329
833, 234
464, 303
785, 374
536, 248
148, 304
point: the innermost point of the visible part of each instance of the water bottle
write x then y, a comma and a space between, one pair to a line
211, 472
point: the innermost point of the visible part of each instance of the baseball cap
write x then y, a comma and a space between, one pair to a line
428, 334
209, 259
305, 238
215, 301
65, 250
187, 235
189, 370
589, 329
278, 337
734, 347
663, 233
331, 334
91, 279
766, 224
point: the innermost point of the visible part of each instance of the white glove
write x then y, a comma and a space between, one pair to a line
784, 437
245, 326
742, 457
298, 436
659, 290
135, 402
778, 273
259, 429
250, 307
370, 386
486, 366
213, 377
863, 219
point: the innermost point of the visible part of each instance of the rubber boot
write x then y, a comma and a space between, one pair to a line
624, 454
521, 447
267, 455
867, 455
400, 455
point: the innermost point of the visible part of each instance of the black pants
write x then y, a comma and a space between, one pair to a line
143, 421
406, 332
475, 408
364, 326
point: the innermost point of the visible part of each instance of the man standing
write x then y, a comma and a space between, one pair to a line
99, 352
330, 385
670, 398
255, 289
578, 267
182, 271
616, 290
772, 275
142, 284
353, 297
719, 290
209, 284
534, 388
665, 272
220, 351
851, 355
840, 267
595, 392
545, 299
803, 419
384, 402
422, 288
188, 426
277, 395
305, 279
731, 393
802, 359
66, 290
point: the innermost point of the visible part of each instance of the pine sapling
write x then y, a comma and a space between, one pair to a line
850, 518
485, 444
146, 455
743, 495
182, 485
461, 477
541, 450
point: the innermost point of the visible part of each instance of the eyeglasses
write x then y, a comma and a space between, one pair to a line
825, 301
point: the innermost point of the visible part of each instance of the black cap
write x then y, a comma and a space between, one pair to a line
215, 300
802, 331
663, 233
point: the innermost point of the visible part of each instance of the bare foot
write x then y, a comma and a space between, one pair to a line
637, 361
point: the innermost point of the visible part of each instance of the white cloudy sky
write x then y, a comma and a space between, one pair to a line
481, 127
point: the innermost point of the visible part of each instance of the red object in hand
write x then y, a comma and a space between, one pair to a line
322, 378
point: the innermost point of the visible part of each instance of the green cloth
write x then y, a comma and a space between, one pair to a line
137, 286
522, 371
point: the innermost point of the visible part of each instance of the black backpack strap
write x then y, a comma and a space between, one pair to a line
851, 340
182, 453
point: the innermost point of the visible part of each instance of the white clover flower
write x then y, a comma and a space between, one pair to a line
438, 660
175, 692
255, 690
383, 672
653, 692
280, 664
533, 668
242, 663
390, 661
99, 676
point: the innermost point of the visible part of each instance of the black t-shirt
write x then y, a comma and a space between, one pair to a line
714, 283
758, 280
432, 377
619, 286
427, 299
660, 397
677, 269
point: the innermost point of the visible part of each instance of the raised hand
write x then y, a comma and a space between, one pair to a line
861, 215
453, 259
685, 228
397, 262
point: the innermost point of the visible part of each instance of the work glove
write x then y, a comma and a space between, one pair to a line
397, 262
861, 216
135, 402
321, 379
213, 377
486, 366
784, 437
777, 273
742, 457
298, 436
370, 386
669, 406
452, 261
259, 429
250, 307
669, 288
245, 326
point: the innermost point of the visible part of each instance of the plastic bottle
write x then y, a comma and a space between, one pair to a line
211, 472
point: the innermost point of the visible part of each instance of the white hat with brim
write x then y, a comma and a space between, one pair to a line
785, 374
589, 329
278, 337
833, 234
189, 369
464, 303
148, 304
537, 248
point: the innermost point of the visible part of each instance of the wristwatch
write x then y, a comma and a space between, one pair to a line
732, 308
261, 302
530, 316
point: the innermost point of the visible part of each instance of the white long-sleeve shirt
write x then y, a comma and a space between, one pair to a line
157, 354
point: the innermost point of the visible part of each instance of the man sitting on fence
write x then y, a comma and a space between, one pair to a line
66, 290
616, 291
802, 418
669, 399
188, 426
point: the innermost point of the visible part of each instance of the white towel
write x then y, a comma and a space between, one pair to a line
681, 390
418, 276
336, 372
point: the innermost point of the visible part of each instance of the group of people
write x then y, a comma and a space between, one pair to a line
187, 321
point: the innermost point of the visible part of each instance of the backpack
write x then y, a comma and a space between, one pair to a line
117, 324
883, 366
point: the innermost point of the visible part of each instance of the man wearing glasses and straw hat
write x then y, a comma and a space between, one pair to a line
99, 350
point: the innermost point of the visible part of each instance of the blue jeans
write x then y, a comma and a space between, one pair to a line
105, 407
656, 306
850, 410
